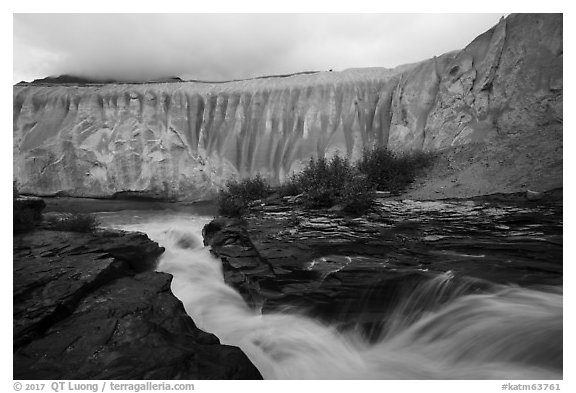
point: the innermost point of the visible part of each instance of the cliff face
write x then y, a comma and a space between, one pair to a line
182, 140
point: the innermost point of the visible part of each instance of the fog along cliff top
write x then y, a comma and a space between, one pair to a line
493, 109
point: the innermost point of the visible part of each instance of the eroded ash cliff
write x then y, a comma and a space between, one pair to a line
493, 111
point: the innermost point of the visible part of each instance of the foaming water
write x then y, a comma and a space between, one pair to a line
503, 333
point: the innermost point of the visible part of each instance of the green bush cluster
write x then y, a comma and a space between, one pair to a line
74, 223
325, 182
235, 197
389, 171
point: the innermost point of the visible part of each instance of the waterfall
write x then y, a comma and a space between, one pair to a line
504, 332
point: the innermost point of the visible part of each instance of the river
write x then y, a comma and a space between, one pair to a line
507, 332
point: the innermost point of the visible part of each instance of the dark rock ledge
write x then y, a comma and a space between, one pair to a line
352, 271
90, 306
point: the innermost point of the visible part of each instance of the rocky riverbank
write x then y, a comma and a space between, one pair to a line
91, 306
352, 270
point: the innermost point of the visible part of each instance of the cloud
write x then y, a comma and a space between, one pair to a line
230, 46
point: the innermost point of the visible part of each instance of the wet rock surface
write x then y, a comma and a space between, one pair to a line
352, 270
89, 306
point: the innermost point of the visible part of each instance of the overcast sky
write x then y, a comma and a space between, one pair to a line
230, 46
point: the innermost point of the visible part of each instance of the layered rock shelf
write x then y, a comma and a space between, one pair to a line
183, 140
355, 270
90, 306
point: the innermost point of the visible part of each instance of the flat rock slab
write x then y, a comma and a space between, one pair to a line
88, 306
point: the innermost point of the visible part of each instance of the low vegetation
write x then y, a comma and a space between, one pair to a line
390, 171
235, 197
325, 183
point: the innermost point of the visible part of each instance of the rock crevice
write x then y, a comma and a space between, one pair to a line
89, 306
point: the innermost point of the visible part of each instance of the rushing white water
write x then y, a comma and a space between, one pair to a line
509, 333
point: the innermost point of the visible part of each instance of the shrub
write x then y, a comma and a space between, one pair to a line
325, 183
75, 223
321, 180
290, 187
357, 196
249, 189
391, 171
233, 200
